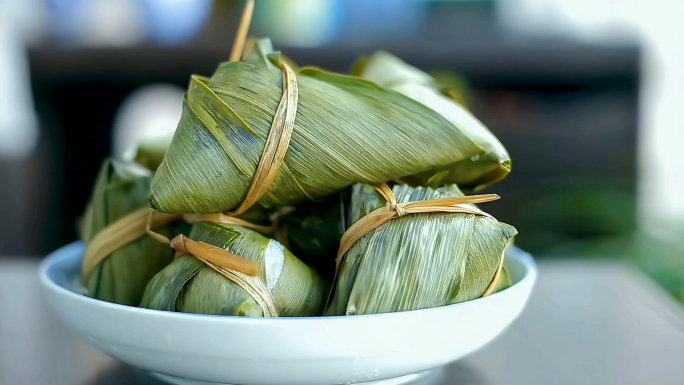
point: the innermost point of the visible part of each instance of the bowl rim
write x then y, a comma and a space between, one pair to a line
64, 253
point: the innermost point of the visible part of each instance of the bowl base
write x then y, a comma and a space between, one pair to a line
417, 379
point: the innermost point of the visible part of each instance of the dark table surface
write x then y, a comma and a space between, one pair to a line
587, 322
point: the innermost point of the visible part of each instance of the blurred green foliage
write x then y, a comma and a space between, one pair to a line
592, 218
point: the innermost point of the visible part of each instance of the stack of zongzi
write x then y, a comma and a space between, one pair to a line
302, 155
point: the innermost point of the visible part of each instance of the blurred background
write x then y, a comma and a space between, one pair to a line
585, 95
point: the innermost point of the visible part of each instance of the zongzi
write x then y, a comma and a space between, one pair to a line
193, 286
346, 130
473, 173
120, 190
419, 260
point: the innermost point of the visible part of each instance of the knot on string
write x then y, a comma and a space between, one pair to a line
386, 192
178, 244
399, 209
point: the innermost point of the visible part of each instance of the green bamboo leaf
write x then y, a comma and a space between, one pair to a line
164, 290
211, 293
417, 261
473, 173
347, 130
257, 52
298, 290
122, 188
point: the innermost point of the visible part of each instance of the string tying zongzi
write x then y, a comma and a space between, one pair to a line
213, 254
277, 142
138, 223
241, 34
118, 234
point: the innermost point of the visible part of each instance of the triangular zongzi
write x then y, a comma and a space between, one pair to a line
346, 130
189, 285
417, 261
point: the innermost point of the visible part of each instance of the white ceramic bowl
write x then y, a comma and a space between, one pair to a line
196, 349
